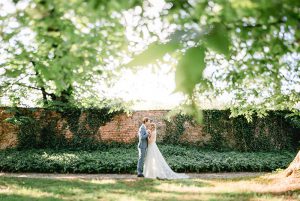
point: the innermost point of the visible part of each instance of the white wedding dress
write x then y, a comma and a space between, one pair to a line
155, 165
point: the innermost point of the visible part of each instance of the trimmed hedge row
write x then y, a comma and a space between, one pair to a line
124, 159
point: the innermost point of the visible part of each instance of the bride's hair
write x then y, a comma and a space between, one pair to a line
153, 126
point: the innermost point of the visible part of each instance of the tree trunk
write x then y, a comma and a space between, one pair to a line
65, 95
293, 167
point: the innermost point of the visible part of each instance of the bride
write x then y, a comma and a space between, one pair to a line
155, 165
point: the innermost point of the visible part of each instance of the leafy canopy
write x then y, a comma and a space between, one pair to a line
252, 46
59, 49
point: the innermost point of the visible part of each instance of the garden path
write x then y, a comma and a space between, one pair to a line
228, 175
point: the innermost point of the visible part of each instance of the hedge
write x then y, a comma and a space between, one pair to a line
124, 159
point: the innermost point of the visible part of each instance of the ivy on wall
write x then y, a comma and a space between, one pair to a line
274, 132
215, 124
175, 128
38, 128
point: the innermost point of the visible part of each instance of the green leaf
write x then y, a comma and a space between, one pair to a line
8, 36
46, 72
13, 73
193, 110
152, 53
189, 69
218, 39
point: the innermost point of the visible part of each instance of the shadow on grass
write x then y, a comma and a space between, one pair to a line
14, 197
130, 189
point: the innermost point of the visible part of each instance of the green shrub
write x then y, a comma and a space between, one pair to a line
123, 159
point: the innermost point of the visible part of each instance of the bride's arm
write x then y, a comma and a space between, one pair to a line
149, 136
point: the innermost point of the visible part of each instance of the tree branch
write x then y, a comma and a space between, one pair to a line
36, 88
10, 84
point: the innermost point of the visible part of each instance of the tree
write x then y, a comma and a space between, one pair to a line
59, 48
253, 46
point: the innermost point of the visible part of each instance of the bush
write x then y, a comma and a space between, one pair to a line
123, 159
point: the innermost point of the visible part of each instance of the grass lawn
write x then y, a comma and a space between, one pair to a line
252, 189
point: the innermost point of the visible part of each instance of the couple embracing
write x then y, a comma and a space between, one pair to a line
151, 163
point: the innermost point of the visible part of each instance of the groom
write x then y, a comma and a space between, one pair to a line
142, 146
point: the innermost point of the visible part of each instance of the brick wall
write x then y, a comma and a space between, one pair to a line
8, 132
123, 128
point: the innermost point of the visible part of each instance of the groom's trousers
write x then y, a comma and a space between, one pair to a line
142, 154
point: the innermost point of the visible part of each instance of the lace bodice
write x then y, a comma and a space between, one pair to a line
152, 137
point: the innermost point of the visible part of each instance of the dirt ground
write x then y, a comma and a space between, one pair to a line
229, 175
